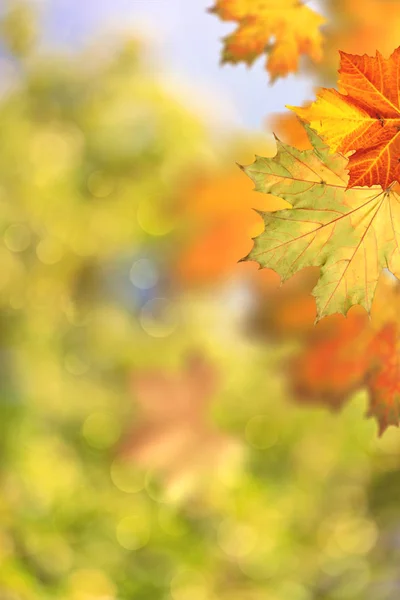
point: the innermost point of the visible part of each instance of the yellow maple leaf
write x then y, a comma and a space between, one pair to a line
283, 29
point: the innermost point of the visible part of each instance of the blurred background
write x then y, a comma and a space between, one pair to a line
161, 437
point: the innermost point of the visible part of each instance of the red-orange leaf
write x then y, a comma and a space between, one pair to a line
348, 357
335, 361
351, 353
362, 119
341, 355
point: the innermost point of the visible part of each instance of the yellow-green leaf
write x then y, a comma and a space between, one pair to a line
351, 235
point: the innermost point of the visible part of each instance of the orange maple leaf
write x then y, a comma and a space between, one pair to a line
364, 120
348, 357
340, 355
283, 29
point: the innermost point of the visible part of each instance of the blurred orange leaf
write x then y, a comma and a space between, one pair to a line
282, 29
220, 222
350, 356
335, 359
341, 354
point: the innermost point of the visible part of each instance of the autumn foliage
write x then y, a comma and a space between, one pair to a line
343, 355
338, 177
364, 119
281, 29
165, 413
350, 234
350, 356
339, 356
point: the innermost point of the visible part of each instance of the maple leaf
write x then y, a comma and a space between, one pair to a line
340, 355
365, 119
283, 29
174, 436
351, 235
348, 356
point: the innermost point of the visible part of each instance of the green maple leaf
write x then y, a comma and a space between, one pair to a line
351, 235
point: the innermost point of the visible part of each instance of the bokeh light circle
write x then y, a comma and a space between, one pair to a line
144, 274
260, 432
159, 317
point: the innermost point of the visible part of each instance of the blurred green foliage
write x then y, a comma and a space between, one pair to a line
94, 154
